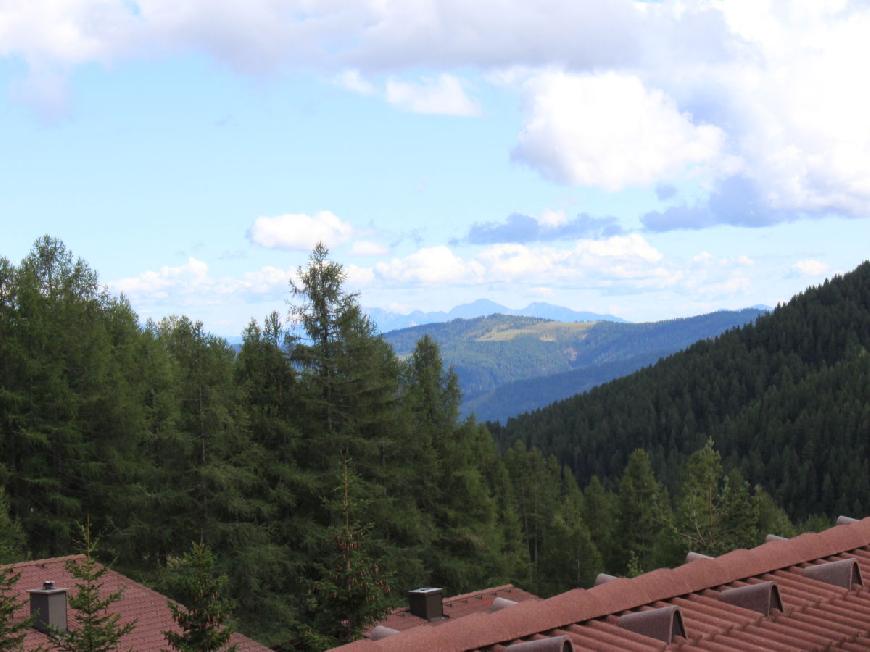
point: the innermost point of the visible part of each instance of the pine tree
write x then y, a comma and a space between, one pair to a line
351, 591
644, 516
11, 633
204, 614
96, 628
11, 535
715, 512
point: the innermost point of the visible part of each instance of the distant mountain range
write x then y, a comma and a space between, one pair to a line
389, 321
508, 364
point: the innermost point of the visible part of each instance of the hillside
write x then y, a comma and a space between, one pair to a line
389, 321
508, 364
785, 400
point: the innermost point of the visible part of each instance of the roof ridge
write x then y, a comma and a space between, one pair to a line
474, 594
41, 562
578, 605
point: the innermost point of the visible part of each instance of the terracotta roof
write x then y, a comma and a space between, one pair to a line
138, 602
819, 610
457, 606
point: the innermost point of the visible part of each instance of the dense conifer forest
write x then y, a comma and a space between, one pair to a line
326, 476
785, 401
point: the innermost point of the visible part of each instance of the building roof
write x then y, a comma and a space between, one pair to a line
689, 608
148, 608
457, 606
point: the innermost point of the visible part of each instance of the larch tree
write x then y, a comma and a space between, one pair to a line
204, 612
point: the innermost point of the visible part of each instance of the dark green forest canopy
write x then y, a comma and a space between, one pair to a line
785, 401
328, 476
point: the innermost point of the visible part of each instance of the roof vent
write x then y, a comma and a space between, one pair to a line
426, 602
762, 597
845, 520
501, 603
663, 623
48, 607
843, 572
552, 644
380, 632
604, 578
774, 537
695, 556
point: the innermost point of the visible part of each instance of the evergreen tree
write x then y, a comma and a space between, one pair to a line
715, 512
96, 628
600, 515
644, 516
203, 616
11, 633
569, 558
11, 535
351, 591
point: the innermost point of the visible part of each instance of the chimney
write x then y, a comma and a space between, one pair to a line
426, 603
48, 607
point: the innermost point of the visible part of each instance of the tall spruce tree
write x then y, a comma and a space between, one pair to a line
204, 613
12, 633
352, 590
97, 628
715, 513
644, 517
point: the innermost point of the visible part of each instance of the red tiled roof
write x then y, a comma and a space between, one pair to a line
817, 614
148, 608
457, 606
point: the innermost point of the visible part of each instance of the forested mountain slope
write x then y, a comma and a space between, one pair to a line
510, 364
786, 400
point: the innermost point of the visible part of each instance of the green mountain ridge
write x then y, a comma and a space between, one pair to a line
785, 400
509, 364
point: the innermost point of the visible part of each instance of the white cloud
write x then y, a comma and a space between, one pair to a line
369, 248
650, 90
352, 80
810, 267
609, 130
443, 95
429, 266
193, 284
630, 259
552, 219
299, 232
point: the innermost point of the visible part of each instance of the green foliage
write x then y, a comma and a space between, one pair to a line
11, 534
643, 517
11, 633
168, 435
784, 400
204, 611
351, 591
96, 628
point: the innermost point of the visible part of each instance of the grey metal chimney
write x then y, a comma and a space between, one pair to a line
48, 607
426, 603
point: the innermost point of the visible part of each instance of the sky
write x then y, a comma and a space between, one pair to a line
644, 159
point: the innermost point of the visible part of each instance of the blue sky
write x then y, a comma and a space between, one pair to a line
646, 160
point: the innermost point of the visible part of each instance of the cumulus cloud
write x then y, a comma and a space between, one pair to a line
550, 225
193, 283
770, 92
443, 95
610, 130
299, 232
618, 259
810, 267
